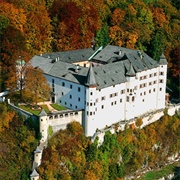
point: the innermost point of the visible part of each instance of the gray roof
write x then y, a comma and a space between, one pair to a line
131, 71
71, 56
34, 173
111, 65
162, 59
90, 77
42, 113
38, 150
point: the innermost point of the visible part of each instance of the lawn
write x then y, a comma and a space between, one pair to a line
58, 107
35, 112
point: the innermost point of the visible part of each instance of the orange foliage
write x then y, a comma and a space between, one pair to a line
159, 17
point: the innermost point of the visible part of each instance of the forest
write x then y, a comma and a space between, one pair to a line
30, 27
18, 140
72, 155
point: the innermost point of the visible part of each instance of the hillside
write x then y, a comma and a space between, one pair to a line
17, 143
40, 26
71, 155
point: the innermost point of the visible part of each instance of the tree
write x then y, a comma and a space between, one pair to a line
35, 85
139, 122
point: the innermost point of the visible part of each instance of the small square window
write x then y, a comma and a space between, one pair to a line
120, 100
90, 104
149, 91
160, 89
90, 113
62, 93
102, 106
63, 84
70, 96
65, 103
154, 89
91, 93
70, 86
70, 105
79, 89
76, 107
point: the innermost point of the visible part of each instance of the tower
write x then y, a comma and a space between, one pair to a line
162, 82
130, 93
90, 107
34, 175
43, 125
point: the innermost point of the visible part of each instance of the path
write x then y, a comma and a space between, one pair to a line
48, 105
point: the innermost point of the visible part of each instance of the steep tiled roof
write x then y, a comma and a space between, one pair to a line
130, 71
111, 65
42, 113
90, 77
162, 59
34, 173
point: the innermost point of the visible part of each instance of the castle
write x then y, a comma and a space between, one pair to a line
109, 84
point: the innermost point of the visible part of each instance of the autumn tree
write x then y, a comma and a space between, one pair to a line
35, 85
139, 122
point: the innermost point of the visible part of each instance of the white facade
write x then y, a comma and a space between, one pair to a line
137, 87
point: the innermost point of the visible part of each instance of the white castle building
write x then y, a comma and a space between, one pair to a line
109, 84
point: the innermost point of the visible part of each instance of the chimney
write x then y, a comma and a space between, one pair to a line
120, 52
93, 44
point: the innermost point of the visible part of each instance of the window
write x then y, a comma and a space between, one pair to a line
60, 101
53, 89
90, 104
154, 89
149, 91
155, 74
70, 105
122, 91
63, 84
65, 103
102, 106
102, 98
87, 104
90, 113
133, 98
70, 96
97, 100
76, 107
149, 83
115, 102
79, 99
160, 89
150, 75
143, 100
111, 103
79, 89
120, 100
161, 81
141, 94
87, 112
127, 90
62, 93
144, 93
161, 73
127, 98
154, 82
70, 86
91, 93
52, 80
